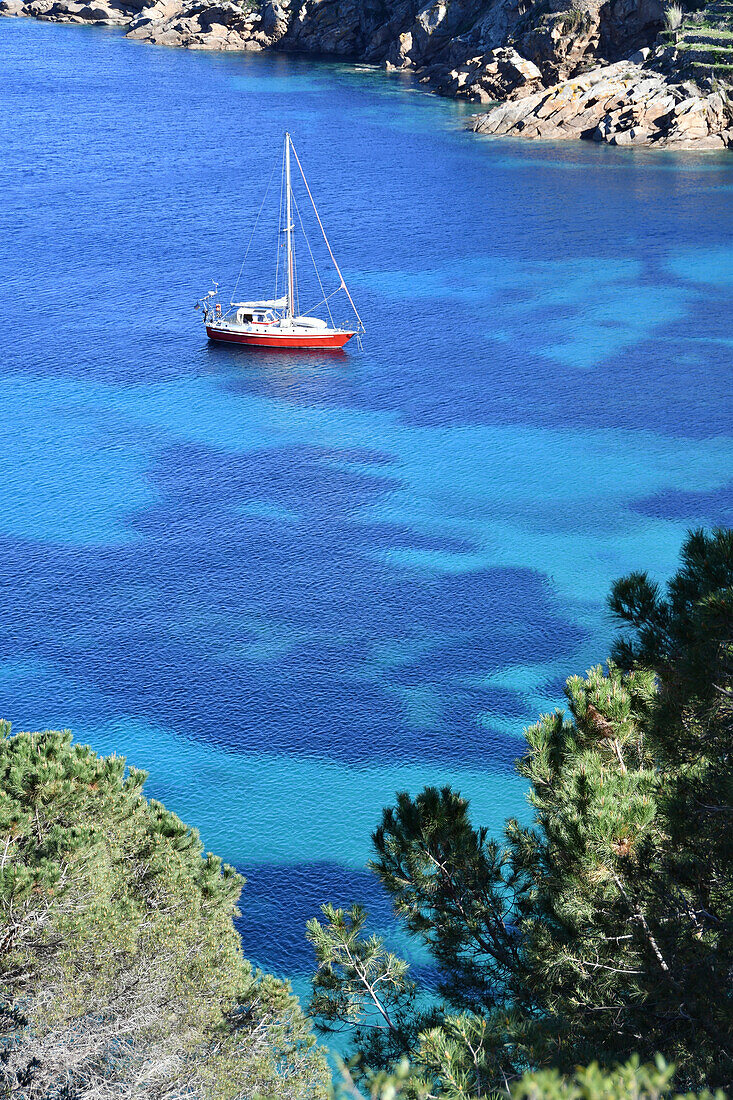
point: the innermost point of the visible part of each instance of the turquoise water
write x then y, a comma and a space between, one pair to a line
292, 586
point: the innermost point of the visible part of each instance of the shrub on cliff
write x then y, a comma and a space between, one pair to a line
631, 1081
121, 971
604, 928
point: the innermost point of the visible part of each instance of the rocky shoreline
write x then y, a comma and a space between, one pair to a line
540, 69
621, 104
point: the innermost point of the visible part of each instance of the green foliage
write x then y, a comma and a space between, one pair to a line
606, 927
119, 961
682, 630
381, 1085
453, 886
574, 20
359, 986
631, 1081
467, 1055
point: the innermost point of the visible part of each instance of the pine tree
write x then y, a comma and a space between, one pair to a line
359, 987
120, 967
605, 927
631, 1081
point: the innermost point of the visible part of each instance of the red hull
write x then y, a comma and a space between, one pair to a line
327, 342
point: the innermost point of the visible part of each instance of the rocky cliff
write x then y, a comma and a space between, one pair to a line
542, 68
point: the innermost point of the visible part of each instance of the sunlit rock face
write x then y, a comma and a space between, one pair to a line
621, 104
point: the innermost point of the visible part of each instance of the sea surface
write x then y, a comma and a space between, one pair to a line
292, 586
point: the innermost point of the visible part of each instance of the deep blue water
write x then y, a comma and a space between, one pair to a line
291, 586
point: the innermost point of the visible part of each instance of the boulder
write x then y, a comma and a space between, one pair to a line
717, 111
500, 73
605, 130
39, 8
658, 107
66, 8
100, 13
712, 141
644, 89
432, 16
273, 20
689, 106
520, 67
167, 38
692, 130
560, 42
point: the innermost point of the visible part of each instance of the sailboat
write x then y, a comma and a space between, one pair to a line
277, 322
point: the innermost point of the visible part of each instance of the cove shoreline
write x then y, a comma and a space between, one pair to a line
570, 91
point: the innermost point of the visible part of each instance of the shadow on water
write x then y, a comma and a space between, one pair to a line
305, 377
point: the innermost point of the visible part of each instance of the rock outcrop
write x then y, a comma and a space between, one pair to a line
622, 104
101, 12
498, 74
198, 25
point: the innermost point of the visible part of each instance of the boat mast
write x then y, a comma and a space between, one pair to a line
289, 230
323, 231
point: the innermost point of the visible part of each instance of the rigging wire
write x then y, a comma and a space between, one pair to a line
251, 236
323, 231
324, 299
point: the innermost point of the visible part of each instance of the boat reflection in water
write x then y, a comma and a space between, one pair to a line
297, 377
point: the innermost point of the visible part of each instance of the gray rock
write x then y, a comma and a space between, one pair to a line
167, 38
39, 8
273, 19
97, 13
712, 141
694, 104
